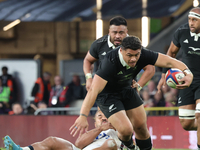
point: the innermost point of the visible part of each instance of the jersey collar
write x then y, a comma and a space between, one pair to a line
124, 64
109, 43
196, 36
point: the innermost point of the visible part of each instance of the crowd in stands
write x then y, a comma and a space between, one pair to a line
60, 95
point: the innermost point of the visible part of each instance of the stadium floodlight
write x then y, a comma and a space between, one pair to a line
195, 3
12, 24
99, 21
145, 31
99, 28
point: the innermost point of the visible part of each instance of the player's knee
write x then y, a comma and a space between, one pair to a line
141, 130
197, 115
187, 124
126, 132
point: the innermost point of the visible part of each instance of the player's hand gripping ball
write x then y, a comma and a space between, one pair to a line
173, 76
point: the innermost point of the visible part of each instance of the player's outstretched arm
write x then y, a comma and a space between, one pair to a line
88, 69
148, 73
172, 51
88, 137
169, 62
161, 83
81, 123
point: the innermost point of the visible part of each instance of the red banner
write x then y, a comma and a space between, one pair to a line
166, 131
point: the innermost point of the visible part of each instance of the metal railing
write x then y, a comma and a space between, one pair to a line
64, 110
153, 111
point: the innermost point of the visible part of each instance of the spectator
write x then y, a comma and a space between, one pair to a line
152, 88
75, 90
16, 109
176, 93
4, 99
41, 105
159, 102
148, 102
7, 80
170, 101
41, 89
58, 93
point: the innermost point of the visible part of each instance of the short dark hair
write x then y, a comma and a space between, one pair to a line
118, 20
131, 42
4, 68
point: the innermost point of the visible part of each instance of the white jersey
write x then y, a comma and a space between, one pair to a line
102, 137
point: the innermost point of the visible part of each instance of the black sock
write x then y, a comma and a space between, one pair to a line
129, 143
144, 144
198, 146
31, 147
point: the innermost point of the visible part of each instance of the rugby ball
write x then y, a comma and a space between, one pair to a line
173, 76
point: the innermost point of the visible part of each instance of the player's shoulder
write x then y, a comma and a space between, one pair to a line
145, 50
112, 55
183, 27
101, 40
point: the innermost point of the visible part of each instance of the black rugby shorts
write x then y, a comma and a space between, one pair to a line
111, 103
189, 95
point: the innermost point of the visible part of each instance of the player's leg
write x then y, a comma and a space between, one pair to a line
109, 144
197, 114
138, 118
186, 103
50, 143
53, 143
187, 117
113, 109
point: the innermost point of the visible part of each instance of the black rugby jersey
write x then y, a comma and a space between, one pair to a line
117, 75
190, 49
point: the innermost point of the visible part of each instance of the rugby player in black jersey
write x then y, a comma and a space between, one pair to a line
187, 39
120, 103
117, 32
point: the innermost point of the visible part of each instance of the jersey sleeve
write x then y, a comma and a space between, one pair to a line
149, 57
94, 50
176, 38
107, 69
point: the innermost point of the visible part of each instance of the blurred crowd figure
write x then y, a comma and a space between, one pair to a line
166, 98
75, 90
41, 89
6, 91
58, 93
16, 109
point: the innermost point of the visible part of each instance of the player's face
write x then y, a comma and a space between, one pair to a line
131, 56
194, 24
117, 34
100, 119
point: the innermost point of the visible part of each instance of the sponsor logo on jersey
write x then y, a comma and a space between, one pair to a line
194, 49
104, 53
120, 73
186, 41
135, 68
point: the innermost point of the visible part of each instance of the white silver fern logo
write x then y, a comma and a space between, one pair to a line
194, 49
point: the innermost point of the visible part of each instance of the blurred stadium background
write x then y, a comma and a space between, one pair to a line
54, 36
